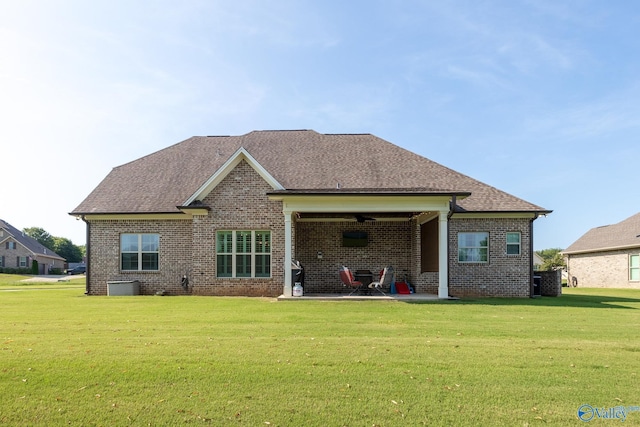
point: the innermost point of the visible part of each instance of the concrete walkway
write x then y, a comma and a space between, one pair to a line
48, 278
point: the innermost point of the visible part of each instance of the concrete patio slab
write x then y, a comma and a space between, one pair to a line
373, 297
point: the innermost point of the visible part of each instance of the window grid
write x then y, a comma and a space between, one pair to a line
243, 254
139, 252
473, 247
513, 243
634, 268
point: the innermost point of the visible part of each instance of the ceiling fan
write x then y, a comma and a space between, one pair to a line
362, 218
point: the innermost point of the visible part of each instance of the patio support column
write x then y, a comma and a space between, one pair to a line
443, 255
286, 291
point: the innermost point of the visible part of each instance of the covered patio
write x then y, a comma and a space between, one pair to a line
405, 229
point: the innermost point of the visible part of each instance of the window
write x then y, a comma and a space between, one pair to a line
22, 261
473, 247
11, 245
2, 261
634, 268
243, 253
513, 243
139, 252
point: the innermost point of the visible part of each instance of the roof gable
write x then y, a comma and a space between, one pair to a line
215, 179
625, 234
287, 160
28, 242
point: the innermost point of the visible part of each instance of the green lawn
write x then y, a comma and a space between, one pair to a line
69, 359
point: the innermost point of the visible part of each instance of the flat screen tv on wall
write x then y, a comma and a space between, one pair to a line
354, 239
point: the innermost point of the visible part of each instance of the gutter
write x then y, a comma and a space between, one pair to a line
87, 273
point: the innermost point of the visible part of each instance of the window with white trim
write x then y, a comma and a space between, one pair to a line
139, 252
513, 243
473, 247
22, 262
10, 245
243, 253
634, 268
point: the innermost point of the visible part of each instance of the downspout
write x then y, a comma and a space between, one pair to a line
453, 206
531, 284
449, 215
87, 273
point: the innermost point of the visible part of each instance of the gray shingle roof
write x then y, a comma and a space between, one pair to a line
27, 241
297, 159
609, 237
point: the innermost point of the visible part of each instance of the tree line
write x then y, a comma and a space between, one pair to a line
60, 245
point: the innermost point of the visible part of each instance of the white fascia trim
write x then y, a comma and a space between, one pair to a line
226, 168
604, 249
362, 203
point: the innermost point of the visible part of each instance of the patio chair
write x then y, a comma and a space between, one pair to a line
346, 276
385, 280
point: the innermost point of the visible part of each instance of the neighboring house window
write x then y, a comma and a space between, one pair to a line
245, 253
22, 261
634, 268
11, 245
473, 247
139, 252
513, 243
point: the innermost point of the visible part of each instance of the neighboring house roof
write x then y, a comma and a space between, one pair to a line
297, 160
31, 244
625, 234
537, 259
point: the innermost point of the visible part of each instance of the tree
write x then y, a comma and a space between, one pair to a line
60, 245
67, 250
41, 235
552, 259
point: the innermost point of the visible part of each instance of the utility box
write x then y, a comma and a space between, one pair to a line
123, 288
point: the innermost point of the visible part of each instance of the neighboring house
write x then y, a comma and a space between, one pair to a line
18, 250
606, 257
226, 215
538, 262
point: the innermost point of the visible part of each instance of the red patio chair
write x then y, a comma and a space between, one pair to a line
385, 280
348, 280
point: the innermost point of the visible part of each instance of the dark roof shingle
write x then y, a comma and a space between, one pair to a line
27, 241
298, 160
609, 237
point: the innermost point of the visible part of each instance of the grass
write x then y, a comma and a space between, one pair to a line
68, 359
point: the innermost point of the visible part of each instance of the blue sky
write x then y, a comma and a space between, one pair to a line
538, 98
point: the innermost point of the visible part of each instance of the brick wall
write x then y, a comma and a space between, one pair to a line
550, 283
504, 275
239, 202
389, 244
187, 246
602, 269
11, 255
174, 256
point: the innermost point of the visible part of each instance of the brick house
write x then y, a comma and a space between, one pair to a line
18, 250
230, 213
607, 256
